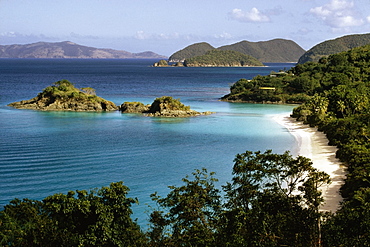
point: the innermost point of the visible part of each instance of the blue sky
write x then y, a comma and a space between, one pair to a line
166, 26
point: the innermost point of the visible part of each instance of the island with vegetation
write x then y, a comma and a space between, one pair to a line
217, 58
271, 51
334, 46
165, 106
64, 96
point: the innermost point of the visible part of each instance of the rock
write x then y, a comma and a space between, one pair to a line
165, 106
161, 63
134, 107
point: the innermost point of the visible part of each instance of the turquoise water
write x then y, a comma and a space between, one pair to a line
42, 153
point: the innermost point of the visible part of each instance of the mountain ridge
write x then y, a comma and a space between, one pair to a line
271, 51
68, 49
333, 46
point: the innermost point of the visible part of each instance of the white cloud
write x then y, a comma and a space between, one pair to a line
254, 15
223, 35
338, 14
368, 19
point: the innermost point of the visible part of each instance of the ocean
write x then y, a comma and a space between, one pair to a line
43, 153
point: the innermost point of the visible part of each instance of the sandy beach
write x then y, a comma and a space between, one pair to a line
314, 145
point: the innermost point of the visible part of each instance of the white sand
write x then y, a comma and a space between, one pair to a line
313, 144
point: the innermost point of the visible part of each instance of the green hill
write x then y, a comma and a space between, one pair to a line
272, 51
334, 46
301, 82
190, 51
217, 58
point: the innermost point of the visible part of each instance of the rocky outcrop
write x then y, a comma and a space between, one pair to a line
134, 107
161, 107
63, 96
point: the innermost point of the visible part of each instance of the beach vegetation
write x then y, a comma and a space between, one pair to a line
334, 93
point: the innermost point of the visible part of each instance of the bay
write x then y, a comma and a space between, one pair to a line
42, 153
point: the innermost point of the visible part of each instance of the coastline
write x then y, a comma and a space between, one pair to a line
313, 144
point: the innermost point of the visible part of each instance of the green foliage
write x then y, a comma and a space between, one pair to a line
345, 71
188, 215
222, 58
167, 102
95, 218
272, 51
190, 51
273, 200
338, 45
341, 109
351, 224
65, 91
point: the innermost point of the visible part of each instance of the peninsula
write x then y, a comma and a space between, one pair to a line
63, 96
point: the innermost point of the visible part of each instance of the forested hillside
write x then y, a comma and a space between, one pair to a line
217, 58
336, 96
334, 46
272, 51
190, 51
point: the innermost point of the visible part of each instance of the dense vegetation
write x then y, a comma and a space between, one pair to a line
272, 200
334, 46
217, 58
193, 50
64, 96
272, 51
303, 81
336, 96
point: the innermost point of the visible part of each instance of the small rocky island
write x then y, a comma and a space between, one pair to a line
63, 96
165, 106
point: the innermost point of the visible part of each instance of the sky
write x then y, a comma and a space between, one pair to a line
166, 26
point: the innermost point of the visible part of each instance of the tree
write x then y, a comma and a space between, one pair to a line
187, 216
273, 200
89, 90
350, 226
95, 218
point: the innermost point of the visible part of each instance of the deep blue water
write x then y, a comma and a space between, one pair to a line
42, 153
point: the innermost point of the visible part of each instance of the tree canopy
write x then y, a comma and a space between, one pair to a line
272, 200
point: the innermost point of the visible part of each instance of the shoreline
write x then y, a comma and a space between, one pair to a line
313, 144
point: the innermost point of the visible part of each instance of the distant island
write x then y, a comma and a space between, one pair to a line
165, 106
68, 49
334, 46
272, 51
63, 96
216, 58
